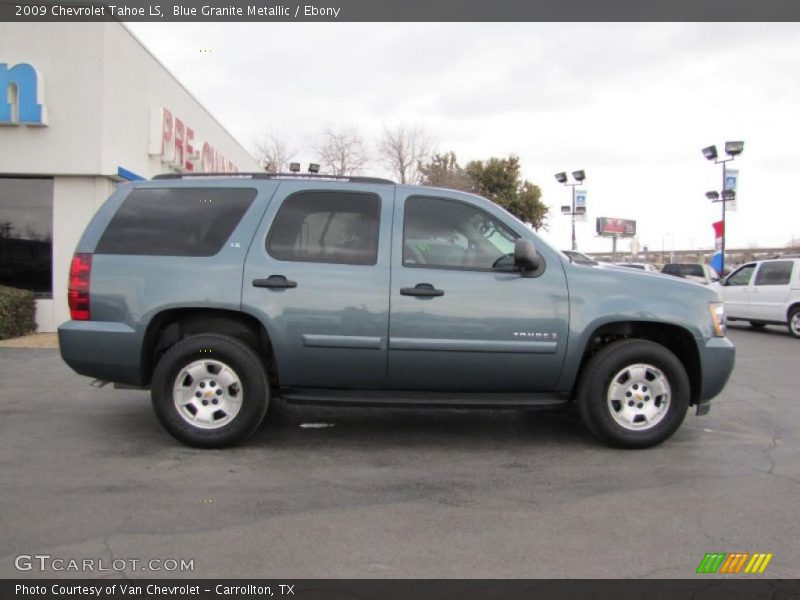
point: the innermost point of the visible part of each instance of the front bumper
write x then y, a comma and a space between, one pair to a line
717, 357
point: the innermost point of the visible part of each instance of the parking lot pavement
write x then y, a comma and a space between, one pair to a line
89, 473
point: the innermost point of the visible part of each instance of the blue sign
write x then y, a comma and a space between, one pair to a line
26, 84
731, 178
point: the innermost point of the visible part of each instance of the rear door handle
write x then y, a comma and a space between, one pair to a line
425, 290
275, 282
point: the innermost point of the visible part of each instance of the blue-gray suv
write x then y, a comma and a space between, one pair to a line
220, 292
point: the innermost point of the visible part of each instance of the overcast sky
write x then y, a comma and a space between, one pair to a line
631, 104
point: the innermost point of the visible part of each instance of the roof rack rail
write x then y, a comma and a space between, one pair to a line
289, 176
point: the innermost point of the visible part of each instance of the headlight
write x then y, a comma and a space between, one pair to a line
717, 310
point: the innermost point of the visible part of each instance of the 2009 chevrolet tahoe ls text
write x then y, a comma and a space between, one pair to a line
221, 292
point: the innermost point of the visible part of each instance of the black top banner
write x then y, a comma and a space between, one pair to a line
402, 10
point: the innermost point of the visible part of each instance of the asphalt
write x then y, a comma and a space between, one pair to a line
388, 493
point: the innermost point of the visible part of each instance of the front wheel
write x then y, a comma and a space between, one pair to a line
633, 394
794, 322
210, 391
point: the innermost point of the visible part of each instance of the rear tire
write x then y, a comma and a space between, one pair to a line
633, 394
794, 322
210, 391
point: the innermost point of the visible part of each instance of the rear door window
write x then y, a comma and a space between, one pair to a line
327, 227
175, 221
774, 273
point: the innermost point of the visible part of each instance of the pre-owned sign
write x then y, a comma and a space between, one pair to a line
178, 146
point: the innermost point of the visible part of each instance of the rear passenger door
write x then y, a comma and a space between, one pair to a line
318, 274
770, 294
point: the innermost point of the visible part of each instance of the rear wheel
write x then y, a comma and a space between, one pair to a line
633, 394
794, 322
210, 391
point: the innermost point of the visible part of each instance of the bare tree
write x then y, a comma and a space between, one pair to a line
342, 151
403, 149
274, 152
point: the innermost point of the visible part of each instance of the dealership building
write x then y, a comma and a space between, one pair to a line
84, 107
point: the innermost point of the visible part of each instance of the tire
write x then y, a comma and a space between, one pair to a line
210, 391
793, 324
757, 325
633, 369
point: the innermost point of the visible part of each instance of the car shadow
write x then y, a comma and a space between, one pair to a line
774, 330
292, 425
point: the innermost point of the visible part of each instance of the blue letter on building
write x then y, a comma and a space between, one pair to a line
27, 84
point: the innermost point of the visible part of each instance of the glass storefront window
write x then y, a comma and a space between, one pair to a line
26, 234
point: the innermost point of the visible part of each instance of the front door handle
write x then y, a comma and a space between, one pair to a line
426, 290
275, 282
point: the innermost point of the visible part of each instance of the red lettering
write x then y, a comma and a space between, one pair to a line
207, 159
179, 141
166, 135
190, 153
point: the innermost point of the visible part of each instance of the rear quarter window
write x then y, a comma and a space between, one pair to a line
684, 270
175, 221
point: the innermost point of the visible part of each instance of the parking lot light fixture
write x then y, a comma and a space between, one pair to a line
710, 152
732, 149
579, 176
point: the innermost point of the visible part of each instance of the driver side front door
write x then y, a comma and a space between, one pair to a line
456, 322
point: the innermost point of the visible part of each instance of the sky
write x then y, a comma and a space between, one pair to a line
631, 104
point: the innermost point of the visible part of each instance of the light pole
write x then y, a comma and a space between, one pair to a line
578, 176
732, 149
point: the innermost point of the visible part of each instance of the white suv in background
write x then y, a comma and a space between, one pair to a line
764, 292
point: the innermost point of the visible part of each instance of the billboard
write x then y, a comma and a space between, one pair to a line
608, 227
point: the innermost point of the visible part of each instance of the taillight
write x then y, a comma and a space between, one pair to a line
80, 273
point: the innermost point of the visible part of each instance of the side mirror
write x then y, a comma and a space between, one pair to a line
526, 257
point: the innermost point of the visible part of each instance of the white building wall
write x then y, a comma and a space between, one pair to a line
100, 87
135, 83
70, 58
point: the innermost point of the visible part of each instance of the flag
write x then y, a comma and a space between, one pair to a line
716, 259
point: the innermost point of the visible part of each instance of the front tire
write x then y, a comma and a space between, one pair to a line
633, 394
210, 391
794, 322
